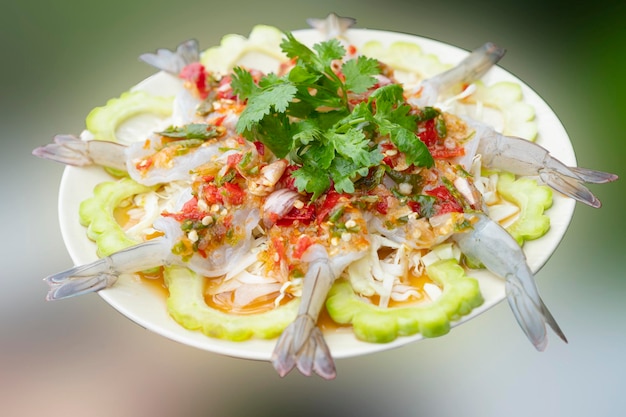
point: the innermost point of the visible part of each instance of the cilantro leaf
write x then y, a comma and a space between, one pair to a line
275, 132
359, 74
306, 116
351, 145
329, 51
297, 50
344, 172
312, 180
243, 84
272, 98
414, 149
393, 118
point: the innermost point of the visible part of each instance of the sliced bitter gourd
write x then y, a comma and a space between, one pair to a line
187, 307
103, 121
97, 214
263, 44
532, 199
406, 57
505, 98
460, 295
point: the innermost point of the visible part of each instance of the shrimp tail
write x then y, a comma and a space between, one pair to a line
302, 344
104, 272
522, 157
571, 186
570, 180
173, 62
470, 69
73, 284
71, 150
592, 176
492, 246
531, 313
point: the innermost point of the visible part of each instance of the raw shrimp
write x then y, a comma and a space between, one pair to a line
149, 162
492, 246
302, 344
71, 150
104, 272
470, 69
333, 26
522, 157
174, 62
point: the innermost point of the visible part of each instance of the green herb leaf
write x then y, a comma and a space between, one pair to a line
306, 115
312, 180
359, 74
394, 119
191, 131
243, 84
273, 98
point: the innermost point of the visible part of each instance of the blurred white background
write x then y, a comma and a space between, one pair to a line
79, 357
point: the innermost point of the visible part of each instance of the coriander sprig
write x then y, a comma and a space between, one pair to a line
306, 115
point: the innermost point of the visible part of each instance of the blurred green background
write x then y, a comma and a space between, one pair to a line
79, 357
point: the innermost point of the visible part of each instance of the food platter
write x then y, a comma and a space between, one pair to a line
146, 306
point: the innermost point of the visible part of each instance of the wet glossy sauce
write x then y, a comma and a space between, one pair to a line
225, 301
155, 281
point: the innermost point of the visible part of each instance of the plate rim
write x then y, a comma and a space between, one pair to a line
341, 344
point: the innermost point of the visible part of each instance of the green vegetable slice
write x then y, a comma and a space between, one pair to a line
532, 199
261, 47
103, 121
460, 295
406, 57
186, 305
506, 99
97, 214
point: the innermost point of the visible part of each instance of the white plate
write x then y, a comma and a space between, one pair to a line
147, 308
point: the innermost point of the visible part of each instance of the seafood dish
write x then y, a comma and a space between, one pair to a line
290, 185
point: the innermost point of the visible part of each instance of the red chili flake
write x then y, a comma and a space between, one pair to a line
232, 193
429, 134
445, 201
218, 121
382, 206
211, 194
233, 159
304, 215
260, 148
279, 249
196, 74
330, 201
287, 180
224, 89
414, 206
144, 164
440, 152
301, 246
189, 211
389, 160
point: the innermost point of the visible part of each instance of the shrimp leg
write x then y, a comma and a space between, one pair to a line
490, 244
104, 272
70, 150
522, 157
